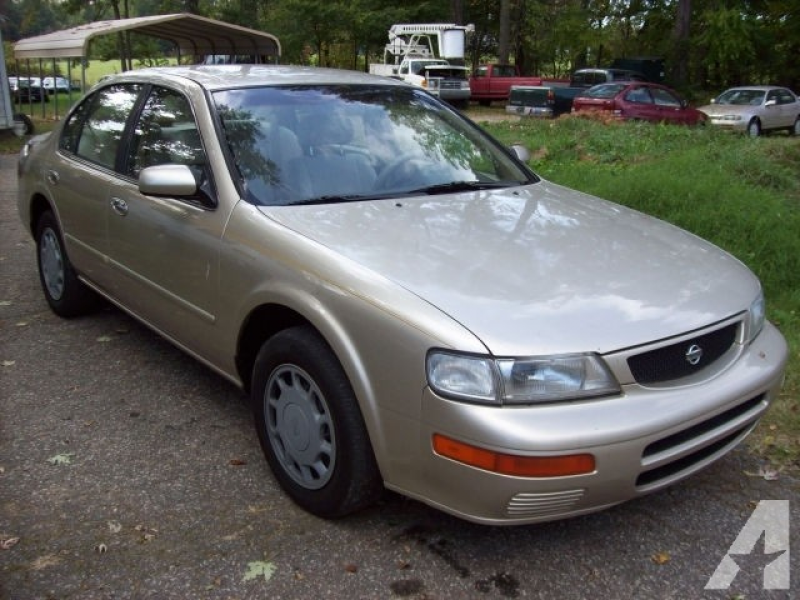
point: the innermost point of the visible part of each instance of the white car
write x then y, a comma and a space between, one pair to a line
55, 84
755, 109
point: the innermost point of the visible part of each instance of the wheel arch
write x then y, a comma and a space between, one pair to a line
262, 323
39, 205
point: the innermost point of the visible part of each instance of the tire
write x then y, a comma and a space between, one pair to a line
310, 426
754, 128
27, 124
64, 292
796, 128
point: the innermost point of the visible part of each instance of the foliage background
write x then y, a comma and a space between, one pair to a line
708, 44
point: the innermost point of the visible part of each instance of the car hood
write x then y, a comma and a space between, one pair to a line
537, 269
717, 110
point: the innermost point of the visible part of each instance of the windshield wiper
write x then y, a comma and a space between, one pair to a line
462, 186
332, 199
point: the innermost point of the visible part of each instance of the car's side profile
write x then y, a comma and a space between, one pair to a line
638, 101
405, 302
755, 110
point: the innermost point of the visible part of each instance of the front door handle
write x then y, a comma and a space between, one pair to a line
120, 206
52, 177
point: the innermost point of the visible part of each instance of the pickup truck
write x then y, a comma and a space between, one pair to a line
494, 82
436, 75
553, 100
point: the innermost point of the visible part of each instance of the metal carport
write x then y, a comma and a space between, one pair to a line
191, 34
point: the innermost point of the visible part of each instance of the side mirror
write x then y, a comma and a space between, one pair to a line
167, 180
521, 152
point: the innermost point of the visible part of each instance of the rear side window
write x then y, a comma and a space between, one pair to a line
94, 131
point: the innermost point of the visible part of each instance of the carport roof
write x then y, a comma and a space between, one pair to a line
192, 34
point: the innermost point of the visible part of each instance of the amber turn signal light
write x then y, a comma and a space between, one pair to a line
509, 464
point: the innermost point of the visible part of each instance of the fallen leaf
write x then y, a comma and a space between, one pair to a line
21, 323
8, 543
257, 569
237, 462
351, 568
61, 459
661, 558
114, 526
5, 303
766, 473
101, 548
9, 363
104, 338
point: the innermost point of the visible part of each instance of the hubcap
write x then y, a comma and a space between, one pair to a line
299, 427
52, 264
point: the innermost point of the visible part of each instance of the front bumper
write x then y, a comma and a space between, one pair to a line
728, 124
643, 440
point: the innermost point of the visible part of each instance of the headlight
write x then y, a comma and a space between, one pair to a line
520, 381
462, 376
756, 315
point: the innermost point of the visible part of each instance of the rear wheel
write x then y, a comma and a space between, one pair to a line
23, 124
310, 426
796, 128
65, 293
754, 128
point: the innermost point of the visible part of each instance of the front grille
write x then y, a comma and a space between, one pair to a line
730, 418
670, 362
450, 84
688, 461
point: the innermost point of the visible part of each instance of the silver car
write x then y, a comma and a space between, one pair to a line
755, 109
406, 303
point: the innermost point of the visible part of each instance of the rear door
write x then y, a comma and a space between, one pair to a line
82, 171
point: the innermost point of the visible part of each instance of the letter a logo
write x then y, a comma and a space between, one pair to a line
770, 519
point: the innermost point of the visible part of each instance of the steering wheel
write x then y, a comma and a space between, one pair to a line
406, 169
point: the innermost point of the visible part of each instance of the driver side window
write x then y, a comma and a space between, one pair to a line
166, 133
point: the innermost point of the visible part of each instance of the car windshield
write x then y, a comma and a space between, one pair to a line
742, 97
324, 144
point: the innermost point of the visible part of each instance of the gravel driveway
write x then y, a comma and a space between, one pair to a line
127, 470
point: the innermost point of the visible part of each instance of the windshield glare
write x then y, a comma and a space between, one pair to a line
304, 144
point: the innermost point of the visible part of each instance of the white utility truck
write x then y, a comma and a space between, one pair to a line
426, 55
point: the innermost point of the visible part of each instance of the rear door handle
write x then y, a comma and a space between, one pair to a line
120, 206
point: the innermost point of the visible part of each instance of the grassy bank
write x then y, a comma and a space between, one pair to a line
742, 194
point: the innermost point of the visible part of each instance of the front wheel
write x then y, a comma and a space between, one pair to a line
796, 128
754, 128
65, 293
310, 426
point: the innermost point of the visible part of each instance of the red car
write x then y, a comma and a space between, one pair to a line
638, 100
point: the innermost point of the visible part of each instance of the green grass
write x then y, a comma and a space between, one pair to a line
742, 194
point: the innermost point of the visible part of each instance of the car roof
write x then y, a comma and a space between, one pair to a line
219, 77
760, 88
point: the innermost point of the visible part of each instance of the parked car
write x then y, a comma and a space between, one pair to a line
755, 109
26, 90
638, 101
56, 85
406, 303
